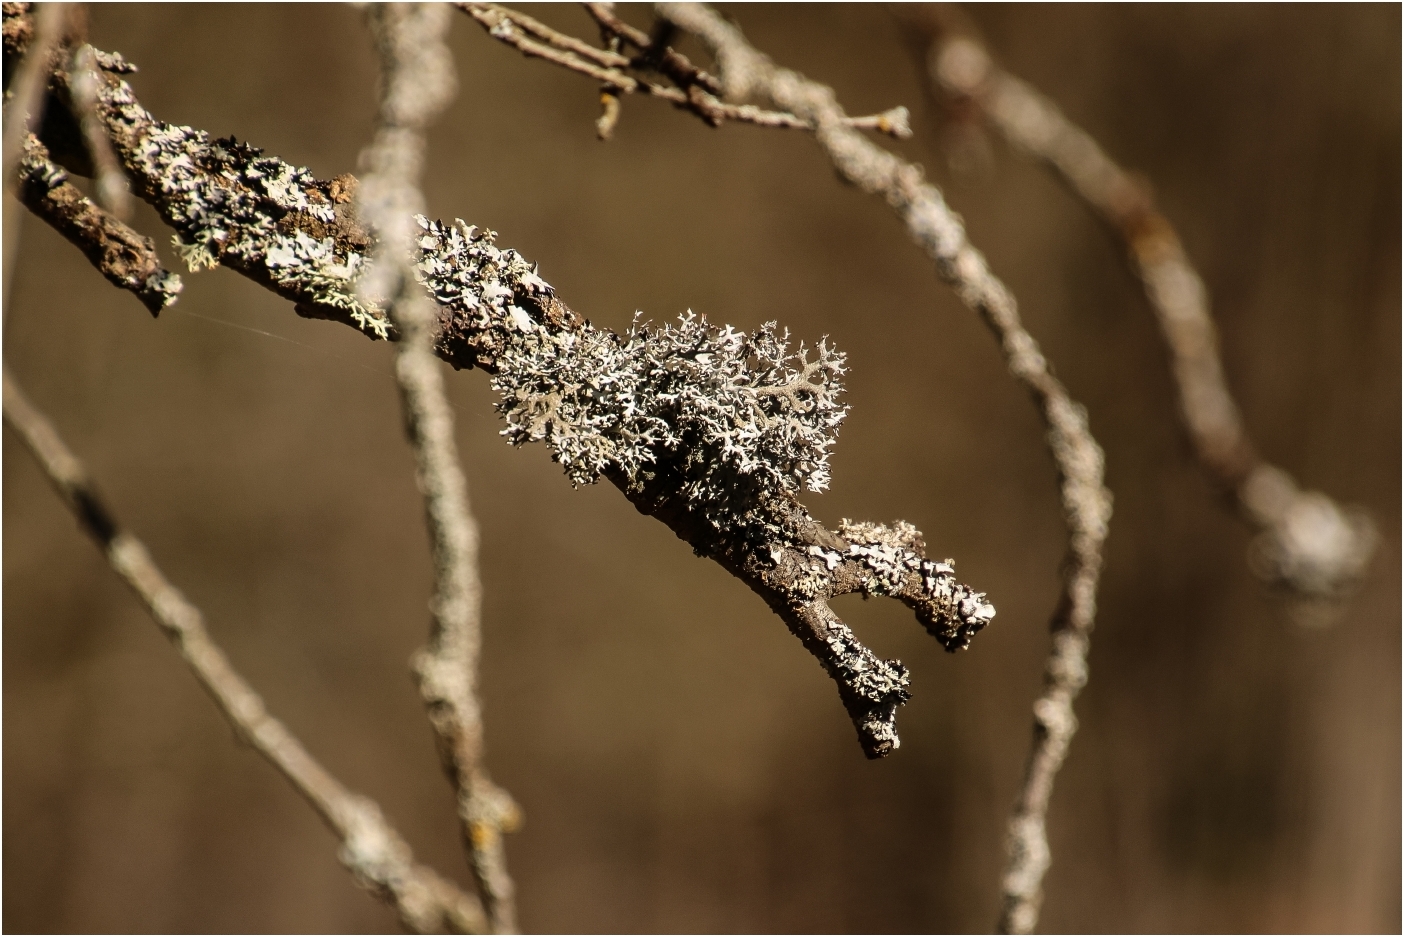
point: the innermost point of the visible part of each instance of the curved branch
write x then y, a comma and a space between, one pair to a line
1305, 541
641, 410
1086, 501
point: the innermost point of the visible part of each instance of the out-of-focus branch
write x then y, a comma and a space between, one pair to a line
1086, 502
40, 35
693, 90
370, 848
112, 190
417, 81
1306, 541
127, 258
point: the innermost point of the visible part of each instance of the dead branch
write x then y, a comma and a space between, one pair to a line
694, 89
417, 81
125, 257
1086, 502
371, 849
642, 410
1305, 541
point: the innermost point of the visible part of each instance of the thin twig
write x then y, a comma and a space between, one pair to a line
371, 849
24, 101
696, 90
1305, 541
417, 81
1086, 502
113, 193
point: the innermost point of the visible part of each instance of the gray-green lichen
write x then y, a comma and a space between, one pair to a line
739, 417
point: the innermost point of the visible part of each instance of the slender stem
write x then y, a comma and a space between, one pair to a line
370, 848
417, 81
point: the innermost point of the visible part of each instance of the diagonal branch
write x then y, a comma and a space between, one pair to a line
371, 849
1305, 541
644, 410
1086, 501
417, 80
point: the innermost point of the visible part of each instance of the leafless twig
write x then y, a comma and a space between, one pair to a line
695, 90
370, 848
1086, 502
1306, 542
417, 81
112, 190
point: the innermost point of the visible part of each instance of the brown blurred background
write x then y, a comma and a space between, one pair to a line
1233, 771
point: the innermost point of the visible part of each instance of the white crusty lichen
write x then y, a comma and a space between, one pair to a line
735, 415
227, 202
891, 555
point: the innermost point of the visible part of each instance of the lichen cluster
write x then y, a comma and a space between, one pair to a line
737, 417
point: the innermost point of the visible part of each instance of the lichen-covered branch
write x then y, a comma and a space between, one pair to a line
677, 417
692, 89
126, 257
371, 849
745, 72
1306, 542
417, 81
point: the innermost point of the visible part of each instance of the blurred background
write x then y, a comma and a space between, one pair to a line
1233, 772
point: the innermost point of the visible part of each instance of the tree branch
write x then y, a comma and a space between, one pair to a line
1305, 541
669, 415
417, 81
371, 849
1086, 501
695, 90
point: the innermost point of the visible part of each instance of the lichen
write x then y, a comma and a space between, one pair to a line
739, 417
231, 204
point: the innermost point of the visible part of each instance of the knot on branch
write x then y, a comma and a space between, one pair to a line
1308, 544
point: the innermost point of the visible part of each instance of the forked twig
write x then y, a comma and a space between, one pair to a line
371, 849
417, 81
1086, 501
693, 89
1305, 541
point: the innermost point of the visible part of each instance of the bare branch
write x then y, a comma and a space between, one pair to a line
417, 81
371, 849
1306, 542
113, 193
696, 90
24, 98
644, 410
1086, 501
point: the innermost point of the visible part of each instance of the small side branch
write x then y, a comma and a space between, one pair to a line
692, 89
126, 257
417, 82
1305, 541
371, 849
1086, 501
